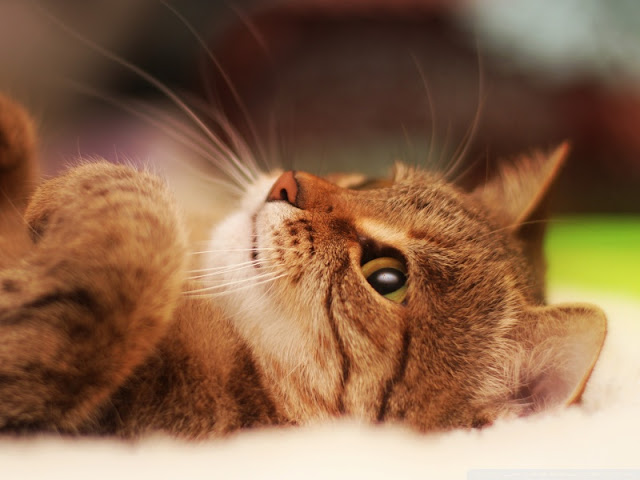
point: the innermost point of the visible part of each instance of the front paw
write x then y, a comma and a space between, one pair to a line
18, 170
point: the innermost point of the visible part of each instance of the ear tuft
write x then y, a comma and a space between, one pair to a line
519, 186
560, 345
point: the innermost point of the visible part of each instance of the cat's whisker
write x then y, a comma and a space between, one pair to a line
441, 162
248, 171
235, 282
162, 123
234, 92
296, 368
13, 206
223, 250
466, 170
231, 134
208, 178
197, 142
463, 148
520, 224
248, 283
256, 302
213, 269
212, 274
160, 86
432, 113
257, 249
238, 143
206, 243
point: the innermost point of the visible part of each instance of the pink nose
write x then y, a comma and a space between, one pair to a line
285, 189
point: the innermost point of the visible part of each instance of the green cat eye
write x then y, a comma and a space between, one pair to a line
388, 277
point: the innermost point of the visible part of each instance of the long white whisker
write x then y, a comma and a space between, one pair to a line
258, 249
238, 143
177, 101
249, 283
225, 76
156, 121
234, 282
214, 269
197, 143
232, 270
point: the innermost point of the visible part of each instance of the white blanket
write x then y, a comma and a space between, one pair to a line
595, 440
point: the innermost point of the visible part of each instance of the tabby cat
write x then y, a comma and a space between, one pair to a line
402, 300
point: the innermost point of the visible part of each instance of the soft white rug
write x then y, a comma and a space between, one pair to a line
595, 440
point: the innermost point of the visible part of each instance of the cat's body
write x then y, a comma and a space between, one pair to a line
409, 302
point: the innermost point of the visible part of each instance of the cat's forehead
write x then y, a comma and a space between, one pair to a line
417, 204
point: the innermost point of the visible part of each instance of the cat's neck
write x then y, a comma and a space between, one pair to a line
202, 381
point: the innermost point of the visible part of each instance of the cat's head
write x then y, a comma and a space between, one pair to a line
407, 299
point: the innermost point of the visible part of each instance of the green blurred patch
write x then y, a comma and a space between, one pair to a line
595, 252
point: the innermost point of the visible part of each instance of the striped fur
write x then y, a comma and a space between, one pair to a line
101, 333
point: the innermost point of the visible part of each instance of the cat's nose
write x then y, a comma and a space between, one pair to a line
305, 191
285, 189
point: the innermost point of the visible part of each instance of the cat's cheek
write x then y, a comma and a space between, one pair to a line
230, 242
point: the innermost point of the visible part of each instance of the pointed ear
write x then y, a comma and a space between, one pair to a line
519, 186
559, 346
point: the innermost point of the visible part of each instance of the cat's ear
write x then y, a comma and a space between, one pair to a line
519, 186
558, 348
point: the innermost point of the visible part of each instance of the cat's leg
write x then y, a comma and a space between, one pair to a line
91, 299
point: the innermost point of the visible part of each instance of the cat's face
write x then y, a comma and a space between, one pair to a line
398, 302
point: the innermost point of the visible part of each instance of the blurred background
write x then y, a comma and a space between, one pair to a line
355, 84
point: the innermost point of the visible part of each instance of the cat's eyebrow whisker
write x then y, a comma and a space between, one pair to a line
461, 152
443, 150
432, 113
466, 170
163, 88
234, 92
514, 225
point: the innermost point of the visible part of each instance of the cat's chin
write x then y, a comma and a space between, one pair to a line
233, 240
260, 307
238, 249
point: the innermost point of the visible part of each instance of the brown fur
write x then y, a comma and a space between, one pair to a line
96, 337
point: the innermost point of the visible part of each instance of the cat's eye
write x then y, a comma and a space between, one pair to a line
388, 277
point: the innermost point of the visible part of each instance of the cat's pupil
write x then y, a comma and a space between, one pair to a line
284, 195
387, 280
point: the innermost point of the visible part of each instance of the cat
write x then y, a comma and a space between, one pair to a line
404, 300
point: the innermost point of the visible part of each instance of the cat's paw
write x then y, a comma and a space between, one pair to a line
18, 176
18, 169
92, 298
17, 137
